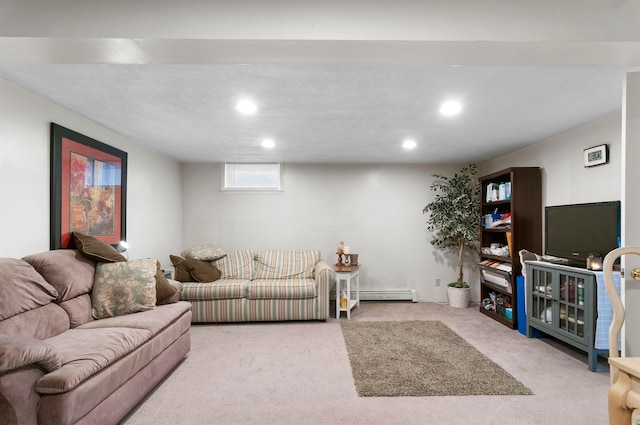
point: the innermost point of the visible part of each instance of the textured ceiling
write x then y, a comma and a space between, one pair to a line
323, 113
334, 81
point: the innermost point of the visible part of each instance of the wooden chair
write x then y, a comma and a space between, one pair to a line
624, 393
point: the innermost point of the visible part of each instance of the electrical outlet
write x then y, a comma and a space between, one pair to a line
437, 281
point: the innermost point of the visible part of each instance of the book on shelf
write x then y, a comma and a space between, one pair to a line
492, 192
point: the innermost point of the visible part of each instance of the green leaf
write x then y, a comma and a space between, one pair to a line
458, 285
454, 213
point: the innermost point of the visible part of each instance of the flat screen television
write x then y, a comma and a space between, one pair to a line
574, 231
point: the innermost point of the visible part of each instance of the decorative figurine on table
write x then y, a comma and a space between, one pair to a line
340, 251
347, 256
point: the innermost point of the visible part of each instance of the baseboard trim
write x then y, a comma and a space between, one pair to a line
389, 295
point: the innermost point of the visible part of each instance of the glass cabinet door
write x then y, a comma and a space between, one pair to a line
571, 304
542, 296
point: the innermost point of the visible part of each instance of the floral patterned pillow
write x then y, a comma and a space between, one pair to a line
123, 288
205, 252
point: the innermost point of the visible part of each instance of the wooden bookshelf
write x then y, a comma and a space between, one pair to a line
523, 202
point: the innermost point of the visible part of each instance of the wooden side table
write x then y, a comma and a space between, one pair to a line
347, 274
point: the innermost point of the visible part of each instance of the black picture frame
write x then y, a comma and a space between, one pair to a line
88, 188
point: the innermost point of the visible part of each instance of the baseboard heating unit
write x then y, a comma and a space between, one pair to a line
393, 295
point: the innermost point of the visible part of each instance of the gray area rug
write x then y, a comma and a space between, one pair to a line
421, 358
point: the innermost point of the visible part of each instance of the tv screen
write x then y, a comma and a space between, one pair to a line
575, 231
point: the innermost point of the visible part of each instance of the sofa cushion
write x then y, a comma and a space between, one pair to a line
286, 264
39, 323
164, 289
95, 249
237, 264
176, 296
18, 351
78, 309
202, 271
70, 272
262, 289
84, 352
123, 288
153, 320
221, 289
181, 272
205, 252
22, 288
197, 270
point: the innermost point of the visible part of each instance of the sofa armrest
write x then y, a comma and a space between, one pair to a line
22, 362
18, 397
323, 270
323, 275
17, 352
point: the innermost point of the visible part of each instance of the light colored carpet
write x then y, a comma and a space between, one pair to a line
299, 374
421, 358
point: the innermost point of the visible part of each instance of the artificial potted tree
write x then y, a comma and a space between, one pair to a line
454, 216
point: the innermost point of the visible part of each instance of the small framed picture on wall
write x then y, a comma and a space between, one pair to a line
596, 155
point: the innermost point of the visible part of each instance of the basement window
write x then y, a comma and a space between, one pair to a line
260, 177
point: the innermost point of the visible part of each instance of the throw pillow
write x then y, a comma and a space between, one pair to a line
198, 270
201, 271
181, 273
123, 287
175, 297
205, 252
164, 289
95, 249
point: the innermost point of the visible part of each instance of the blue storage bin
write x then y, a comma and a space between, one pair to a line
522, 314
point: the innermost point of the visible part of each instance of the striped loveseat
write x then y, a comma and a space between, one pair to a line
263, 286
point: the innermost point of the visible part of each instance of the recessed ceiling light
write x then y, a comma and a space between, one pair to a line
450, 108
409, 144
246, 107
268, 143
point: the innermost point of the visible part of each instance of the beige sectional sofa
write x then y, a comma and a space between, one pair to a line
59, 365
263, 286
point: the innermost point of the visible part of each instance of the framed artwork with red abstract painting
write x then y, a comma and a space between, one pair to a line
88, 188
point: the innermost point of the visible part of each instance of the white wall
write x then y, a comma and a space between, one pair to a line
565, 180
154, 211
375, 209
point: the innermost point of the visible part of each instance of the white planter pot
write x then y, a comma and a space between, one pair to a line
459, 297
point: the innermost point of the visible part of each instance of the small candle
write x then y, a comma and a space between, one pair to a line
346, 250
